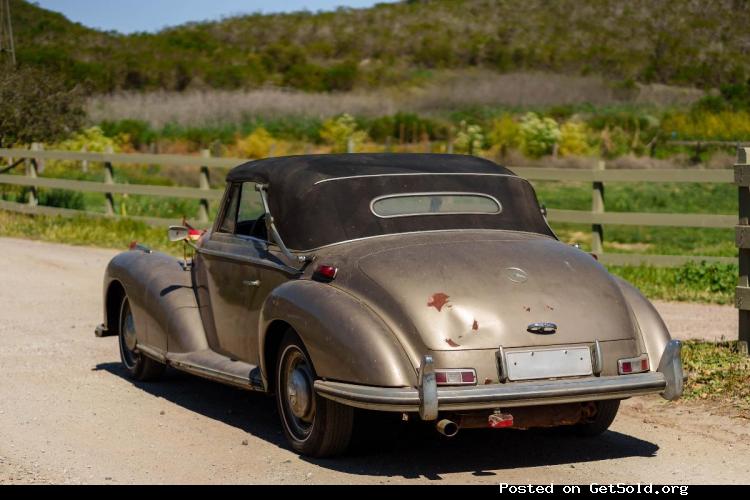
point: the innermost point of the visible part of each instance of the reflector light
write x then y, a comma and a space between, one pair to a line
456, 376
633, 365
326, 272
500, 420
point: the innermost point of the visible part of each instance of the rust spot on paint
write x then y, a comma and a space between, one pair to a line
475, 326
451, 343
487, 381
527, 309
438, 301
549, 308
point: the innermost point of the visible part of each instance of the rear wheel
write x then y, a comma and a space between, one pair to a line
606, 411
314, 426
139, 367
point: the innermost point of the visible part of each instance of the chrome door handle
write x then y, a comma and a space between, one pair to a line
251, 283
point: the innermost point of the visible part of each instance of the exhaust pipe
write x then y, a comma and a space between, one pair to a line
447, 427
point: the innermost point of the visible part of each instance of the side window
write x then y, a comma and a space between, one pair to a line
229, 222
251, 207
250, 216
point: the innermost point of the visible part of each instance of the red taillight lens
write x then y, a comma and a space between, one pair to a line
326, 272
456, 376
633, 365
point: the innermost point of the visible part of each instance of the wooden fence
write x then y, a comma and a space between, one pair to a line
598, 217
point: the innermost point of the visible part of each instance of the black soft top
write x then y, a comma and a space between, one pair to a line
298, 173
317, 200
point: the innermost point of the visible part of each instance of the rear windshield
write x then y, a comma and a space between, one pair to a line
408, 205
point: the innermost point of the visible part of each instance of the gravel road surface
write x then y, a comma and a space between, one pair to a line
68, 414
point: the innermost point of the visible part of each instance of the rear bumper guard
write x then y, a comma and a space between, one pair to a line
428, 399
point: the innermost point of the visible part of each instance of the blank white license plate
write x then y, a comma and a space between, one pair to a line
533, 364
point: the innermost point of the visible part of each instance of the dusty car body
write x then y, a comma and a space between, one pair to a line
429, 285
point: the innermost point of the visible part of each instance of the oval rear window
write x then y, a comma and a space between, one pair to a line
406, 205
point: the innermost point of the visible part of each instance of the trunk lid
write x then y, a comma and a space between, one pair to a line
482, 294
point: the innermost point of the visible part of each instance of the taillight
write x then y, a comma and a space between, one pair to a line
325, 272
456, 376
633, 365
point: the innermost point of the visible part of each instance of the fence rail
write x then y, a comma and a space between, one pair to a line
597, 217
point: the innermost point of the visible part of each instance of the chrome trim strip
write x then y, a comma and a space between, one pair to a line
248, 260
439, 193
364, 238
509, 395
412, 174
152, 353
210, 373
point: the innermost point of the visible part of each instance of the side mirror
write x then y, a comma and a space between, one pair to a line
178, 233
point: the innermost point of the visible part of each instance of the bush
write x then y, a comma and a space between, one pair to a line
538, 135
469, 139
256, 145
339, 132
574, 139
505, 134
36, 106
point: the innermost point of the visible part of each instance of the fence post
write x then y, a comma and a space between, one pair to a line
597, 207
109, 178
204, 183
84, 163
32, 171
742, 240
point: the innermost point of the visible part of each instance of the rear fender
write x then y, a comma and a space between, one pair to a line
346, 340
654, 333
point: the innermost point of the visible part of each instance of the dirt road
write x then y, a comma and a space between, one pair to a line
69, 415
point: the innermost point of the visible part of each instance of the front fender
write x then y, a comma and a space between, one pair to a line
654, 333
162, 298
345, 339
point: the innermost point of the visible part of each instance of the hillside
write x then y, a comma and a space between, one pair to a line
687, 42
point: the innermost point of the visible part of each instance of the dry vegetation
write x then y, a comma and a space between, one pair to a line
448, 92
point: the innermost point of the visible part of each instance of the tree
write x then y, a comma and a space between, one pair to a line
36, 106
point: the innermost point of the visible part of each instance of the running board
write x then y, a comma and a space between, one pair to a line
211, 365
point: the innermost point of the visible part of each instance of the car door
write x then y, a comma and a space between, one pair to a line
231, 276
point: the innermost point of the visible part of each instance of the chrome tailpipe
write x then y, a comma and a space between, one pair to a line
447, 428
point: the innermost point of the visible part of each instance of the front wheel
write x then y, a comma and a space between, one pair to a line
139, 367
314, 425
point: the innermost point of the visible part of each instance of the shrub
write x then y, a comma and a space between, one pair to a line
256, 145
538, 135
339, 132
574, 139
36, 106
469, 139
504, 133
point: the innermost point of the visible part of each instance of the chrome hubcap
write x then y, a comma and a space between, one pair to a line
299, 394
128, 340
296, 393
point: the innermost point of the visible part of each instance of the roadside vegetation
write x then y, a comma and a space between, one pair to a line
718, 373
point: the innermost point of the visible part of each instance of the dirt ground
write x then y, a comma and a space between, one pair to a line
68, 414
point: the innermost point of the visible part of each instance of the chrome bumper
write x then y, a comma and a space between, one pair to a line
428, 399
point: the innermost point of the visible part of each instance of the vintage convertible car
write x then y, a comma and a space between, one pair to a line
428, 285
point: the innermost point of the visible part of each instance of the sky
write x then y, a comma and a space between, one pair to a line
127, 16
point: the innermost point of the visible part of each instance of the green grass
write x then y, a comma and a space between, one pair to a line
717, 372
693, 282
87, 231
